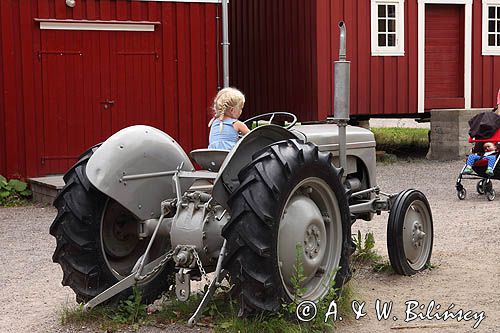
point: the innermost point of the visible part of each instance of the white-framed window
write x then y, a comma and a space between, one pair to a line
491, 27
387, 27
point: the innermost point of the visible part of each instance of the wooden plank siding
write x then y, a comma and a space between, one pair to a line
181, 85
379, 85
271, 54
2, 106
485, 69
295, 50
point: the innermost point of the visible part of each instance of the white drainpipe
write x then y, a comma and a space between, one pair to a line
225, 42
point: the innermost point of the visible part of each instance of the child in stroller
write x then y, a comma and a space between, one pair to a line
490, 154
478, 167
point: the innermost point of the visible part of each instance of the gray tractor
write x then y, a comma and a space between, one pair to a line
135, 212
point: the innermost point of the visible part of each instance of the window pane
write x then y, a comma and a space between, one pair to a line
382, 40
382, 26
491, 40
498, 27
491, 12
391, 10
498, 12
391, 25
391, 40
498, 40
491, 25
381, 11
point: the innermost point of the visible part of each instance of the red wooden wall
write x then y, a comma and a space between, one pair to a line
283, 53
2, 108
185, 41
485, 69
273, 55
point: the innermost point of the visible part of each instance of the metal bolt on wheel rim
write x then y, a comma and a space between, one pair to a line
311, 219
416, 241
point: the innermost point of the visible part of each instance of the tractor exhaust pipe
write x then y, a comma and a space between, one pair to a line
342, 83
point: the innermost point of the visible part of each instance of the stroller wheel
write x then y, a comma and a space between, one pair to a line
480, 186
491, 195
462, 193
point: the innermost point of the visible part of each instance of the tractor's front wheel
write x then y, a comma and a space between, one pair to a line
289, 208
97, 241
410, 233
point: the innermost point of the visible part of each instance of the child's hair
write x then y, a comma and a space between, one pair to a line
225, 100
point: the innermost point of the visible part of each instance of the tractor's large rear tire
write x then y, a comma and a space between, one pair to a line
97, 243
289, 195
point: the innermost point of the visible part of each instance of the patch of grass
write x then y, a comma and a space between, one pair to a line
221, 313
402, 142
101, 316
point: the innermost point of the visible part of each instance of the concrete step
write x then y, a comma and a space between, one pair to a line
46, 189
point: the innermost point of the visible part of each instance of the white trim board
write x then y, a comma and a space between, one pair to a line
96, 25
467, 48
199, 1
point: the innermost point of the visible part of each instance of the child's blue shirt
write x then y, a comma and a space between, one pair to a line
225, 139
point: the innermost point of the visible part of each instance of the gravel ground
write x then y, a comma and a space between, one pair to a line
466, 255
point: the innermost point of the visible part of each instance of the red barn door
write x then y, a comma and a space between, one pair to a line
444, 56
94, 84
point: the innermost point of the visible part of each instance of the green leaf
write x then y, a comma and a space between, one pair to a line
4, 194
226, 325
18, 185
3, 179
26, 193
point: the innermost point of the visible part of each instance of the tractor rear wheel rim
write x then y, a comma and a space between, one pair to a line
120, 244
310, 230
416, 234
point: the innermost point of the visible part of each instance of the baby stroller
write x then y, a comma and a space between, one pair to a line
484, 185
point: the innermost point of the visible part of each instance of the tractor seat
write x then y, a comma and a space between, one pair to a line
209, 159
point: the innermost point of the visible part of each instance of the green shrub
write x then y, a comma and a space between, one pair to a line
13, 192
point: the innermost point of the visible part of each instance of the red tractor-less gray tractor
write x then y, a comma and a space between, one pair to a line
135, 212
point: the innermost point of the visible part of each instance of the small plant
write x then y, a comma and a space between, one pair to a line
131, 311
381, 267
431, 266
13, 192
365, 249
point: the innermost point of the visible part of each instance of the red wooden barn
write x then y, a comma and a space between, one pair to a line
407, 56
71, 76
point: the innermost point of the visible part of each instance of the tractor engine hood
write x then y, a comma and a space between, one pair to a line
326, 136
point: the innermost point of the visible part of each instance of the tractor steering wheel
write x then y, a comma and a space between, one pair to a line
271, 116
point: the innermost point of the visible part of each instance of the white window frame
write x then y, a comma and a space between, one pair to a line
399, 49
486, 49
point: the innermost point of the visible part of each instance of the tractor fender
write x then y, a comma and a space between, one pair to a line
241, 155
138, 150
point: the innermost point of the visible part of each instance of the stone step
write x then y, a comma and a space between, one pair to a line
46, 189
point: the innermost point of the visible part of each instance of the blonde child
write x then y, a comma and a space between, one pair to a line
490, 150
225, 126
